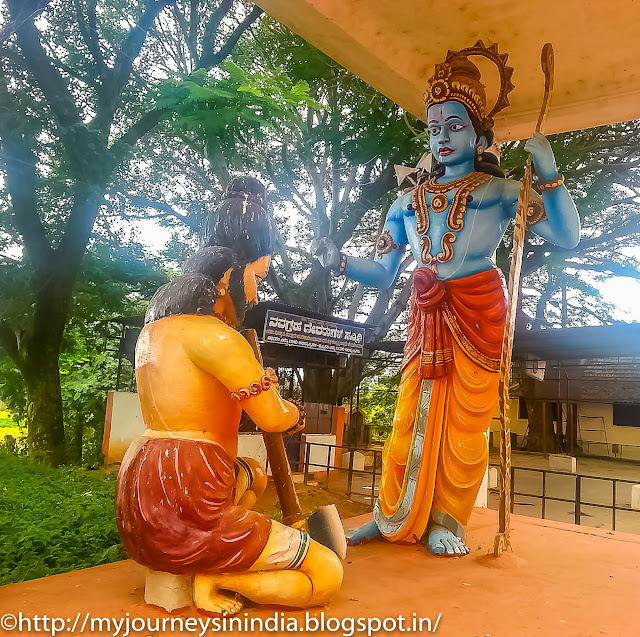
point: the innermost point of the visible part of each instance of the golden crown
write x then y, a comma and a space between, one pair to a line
458, 79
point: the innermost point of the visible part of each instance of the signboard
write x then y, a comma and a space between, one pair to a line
302, 331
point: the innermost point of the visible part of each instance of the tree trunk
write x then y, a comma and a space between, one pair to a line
76, 436
39, 351
541, 437
45, 432
318, 385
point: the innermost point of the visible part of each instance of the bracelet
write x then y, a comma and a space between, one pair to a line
264, 384
343, 264
552, 184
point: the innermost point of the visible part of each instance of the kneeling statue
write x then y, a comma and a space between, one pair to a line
184, 500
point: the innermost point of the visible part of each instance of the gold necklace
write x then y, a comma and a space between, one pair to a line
439, 203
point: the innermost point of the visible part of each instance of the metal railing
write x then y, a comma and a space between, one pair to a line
577, 501
329, 466
610, 450
375, 470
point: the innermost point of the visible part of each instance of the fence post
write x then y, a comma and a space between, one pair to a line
544, 492
613, 511
350, 474
513, 484
328, 463
306, 461
577, 504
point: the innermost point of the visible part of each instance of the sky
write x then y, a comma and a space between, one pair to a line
624, 293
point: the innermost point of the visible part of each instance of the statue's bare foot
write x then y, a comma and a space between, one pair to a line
208, 597
364, 533
444, 542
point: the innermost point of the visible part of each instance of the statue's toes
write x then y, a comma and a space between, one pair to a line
438, 549
454, 549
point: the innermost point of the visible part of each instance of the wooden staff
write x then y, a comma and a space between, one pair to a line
502, 538
277, 456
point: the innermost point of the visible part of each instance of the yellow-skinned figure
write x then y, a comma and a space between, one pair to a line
184, 499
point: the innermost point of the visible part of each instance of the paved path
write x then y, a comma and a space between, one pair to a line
558, 580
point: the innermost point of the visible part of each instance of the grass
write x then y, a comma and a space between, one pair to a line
54, 520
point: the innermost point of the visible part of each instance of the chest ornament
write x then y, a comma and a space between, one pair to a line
439, 203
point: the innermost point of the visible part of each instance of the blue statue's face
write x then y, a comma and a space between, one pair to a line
452, 137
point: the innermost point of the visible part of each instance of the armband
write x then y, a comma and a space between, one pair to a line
385, 243
342, 266
264, 384
535, 212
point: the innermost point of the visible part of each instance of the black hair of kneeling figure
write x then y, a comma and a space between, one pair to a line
193, 291
236, 233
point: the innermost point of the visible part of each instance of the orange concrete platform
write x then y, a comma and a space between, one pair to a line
559, 580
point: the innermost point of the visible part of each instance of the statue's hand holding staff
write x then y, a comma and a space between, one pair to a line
544, 161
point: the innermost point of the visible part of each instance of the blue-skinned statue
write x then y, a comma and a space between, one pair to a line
452, 221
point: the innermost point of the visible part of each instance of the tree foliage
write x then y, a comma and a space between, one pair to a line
114, 282
602, 171
75, 97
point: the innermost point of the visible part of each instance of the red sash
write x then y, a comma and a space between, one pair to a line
471, 310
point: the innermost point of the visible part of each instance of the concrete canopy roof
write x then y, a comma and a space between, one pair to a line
394, 46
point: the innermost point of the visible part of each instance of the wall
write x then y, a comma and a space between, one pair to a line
518, 425
123, 424
318, 455
599, 417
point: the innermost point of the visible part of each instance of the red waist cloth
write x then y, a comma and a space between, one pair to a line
471, 310
175, 511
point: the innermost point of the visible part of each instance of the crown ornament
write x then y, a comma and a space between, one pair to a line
458, 79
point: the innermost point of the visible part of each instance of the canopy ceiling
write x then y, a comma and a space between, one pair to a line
394, 46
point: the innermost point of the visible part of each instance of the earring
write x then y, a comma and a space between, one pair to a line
480, 150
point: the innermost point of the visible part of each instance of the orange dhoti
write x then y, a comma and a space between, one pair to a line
436, 456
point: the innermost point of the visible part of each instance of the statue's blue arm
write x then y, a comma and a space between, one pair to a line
383, 270
562, 225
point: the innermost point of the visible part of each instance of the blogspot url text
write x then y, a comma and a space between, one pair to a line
277, 622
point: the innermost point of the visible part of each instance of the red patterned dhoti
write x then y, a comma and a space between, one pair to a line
436, 456
175, 510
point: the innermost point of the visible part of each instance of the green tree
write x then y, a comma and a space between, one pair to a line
113, 282
74, 95
330, 163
